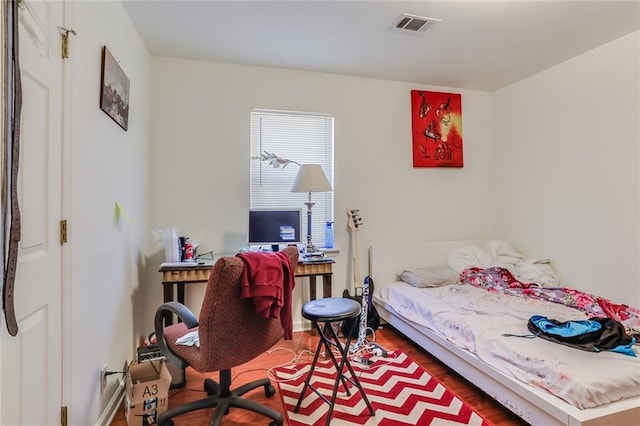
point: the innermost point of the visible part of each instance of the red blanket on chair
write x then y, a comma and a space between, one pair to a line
269, 279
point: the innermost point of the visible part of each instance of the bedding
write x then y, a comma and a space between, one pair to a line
487, 312
475, 319
498, 253
505, 382
496, 279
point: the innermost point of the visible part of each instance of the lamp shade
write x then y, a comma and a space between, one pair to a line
311, 178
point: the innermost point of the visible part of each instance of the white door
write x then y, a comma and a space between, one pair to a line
31, 376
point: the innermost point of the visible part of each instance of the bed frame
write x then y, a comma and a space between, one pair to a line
533, 405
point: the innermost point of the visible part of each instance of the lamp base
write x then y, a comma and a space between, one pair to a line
310, 247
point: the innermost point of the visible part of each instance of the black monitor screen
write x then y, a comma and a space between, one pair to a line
274, 226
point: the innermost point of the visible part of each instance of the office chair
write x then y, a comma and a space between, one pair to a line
230, 333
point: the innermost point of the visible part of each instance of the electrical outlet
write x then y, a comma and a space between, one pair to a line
103, 378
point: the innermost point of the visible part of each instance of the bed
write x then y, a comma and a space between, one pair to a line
532, 403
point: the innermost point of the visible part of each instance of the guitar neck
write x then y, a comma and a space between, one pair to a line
362, 327
357, 280
354, 223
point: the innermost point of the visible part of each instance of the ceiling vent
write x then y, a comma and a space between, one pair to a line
414, 24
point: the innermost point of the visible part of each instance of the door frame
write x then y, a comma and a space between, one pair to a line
65, 204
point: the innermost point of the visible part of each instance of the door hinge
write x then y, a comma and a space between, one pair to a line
63, 415
63, 231
64, 34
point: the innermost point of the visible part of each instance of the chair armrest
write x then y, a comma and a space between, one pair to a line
180, 310
187, 317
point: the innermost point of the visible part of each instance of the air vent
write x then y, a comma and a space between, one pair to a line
414, 24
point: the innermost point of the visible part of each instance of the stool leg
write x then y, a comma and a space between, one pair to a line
354, 377
340, 375
343, 351
356, 382
313, 366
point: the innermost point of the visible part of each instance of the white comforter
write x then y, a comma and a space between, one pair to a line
475, 320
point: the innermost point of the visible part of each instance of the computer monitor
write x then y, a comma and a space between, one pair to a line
275, 227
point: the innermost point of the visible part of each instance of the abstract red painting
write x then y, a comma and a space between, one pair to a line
436, 121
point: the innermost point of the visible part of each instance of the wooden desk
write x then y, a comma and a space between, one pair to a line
182, 275
312, 270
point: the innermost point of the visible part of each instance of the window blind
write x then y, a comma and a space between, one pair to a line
305, 138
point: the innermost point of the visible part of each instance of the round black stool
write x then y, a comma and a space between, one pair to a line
331, 310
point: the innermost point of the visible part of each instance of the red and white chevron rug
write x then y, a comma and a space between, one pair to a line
400, 391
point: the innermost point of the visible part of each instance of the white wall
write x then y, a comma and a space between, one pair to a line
200, 159
108, 165
567, 168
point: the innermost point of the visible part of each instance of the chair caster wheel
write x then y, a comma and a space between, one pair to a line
274, 423
166, 423
269, 390
211, 387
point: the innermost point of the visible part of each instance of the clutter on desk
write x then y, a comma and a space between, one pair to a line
186, 250
177, 249
170, 238
315, 256
179, 264
328, 235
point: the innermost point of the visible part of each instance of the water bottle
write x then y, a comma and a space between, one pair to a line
328, 235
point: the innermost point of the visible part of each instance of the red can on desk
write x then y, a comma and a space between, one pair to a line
188, 251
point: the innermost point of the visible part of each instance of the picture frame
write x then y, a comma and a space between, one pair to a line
114, 90
436, 121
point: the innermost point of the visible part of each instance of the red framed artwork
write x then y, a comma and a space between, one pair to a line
436, 121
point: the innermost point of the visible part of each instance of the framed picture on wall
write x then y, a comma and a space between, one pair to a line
436, 121
114, 90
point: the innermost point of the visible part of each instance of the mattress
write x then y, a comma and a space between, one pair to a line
475, 320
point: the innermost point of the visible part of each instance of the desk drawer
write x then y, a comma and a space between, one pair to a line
190, 275
313, 268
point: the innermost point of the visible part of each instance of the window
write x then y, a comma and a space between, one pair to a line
305, 138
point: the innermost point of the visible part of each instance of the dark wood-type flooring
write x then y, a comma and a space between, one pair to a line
387, 336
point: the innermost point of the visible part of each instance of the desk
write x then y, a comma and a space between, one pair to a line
182, 275
312, 270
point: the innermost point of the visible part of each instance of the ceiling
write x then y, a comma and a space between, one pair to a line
482, 45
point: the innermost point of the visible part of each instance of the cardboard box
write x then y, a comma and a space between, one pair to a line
147, 392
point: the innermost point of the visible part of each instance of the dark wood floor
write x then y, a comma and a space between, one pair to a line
387, 336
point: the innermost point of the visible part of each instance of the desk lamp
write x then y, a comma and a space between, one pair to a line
310, 178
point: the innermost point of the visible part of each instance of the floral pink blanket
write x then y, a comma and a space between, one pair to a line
497, 279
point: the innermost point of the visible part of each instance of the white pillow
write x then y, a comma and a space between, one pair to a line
469, 257
434, 276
